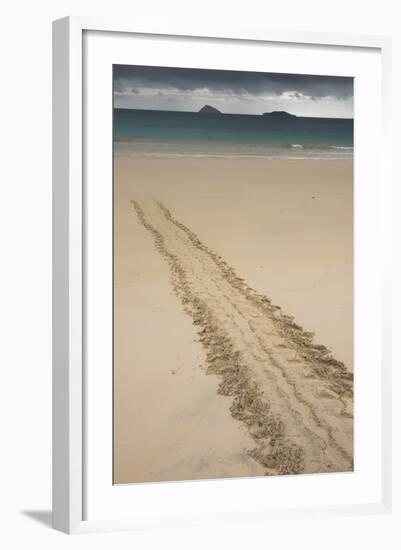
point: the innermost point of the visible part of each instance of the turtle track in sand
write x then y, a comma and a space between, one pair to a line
293, 396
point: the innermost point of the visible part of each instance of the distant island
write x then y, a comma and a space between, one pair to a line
279, 115
273, 115
209, 109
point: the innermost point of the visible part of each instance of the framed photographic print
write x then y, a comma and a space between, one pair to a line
220, 248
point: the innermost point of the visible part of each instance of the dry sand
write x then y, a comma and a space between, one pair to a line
222, 237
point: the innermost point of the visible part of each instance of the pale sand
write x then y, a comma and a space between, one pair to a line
286, 228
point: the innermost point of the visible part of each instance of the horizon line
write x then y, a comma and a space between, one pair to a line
235, 114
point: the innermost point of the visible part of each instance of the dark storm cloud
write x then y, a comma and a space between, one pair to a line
231, 82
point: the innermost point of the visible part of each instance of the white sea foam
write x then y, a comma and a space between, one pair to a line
191, 151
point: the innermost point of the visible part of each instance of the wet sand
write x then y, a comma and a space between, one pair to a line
199, 276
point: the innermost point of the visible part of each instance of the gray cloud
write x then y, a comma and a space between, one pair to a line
179, 89
231, 82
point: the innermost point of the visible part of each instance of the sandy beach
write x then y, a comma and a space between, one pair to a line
233, 318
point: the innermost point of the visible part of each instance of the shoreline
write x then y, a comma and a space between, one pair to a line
148, 149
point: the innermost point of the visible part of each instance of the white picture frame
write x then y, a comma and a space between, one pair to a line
70, 257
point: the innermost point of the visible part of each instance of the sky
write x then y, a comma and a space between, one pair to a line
179, 89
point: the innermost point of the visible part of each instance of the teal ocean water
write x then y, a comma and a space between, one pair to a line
183, 134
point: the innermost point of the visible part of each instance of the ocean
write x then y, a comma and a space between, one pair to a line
172, 134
